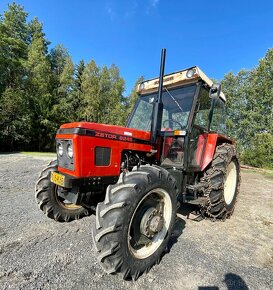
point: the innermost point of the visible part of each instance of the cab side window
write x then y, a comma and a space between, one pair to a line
218, 123
202, 115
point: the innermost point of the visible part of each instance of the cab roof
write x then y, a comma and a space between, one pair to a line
186, 76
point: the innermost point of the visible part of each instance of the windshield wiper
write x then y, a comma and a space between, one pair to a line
174, 99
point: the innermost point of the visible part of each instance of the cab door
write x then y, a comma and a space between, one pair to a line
199, 131
209, 119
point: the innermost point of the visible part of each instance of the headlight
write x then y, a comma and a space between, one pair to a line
70, 151
60, 149
142, 86
190, 73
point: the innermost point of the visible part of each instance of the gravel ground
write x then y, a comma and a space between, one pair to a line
39, 253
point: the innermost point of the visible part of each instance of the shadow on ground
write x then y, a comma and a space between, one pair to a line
233, 282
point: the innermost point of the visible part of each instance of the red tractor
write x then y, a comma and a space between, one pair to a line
173, 148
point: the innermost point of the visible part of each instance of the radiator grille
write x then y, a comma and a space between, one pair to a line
102, 156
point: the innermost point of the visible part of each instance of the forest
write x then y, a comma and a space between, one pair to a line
41, 88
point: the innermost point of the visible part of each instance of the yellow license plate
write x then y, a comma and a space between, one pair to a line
57, 178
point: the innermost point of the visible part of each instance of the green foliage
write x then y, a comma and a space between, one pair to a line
263, 92
236, 89
15, 118
58, 56
40, 90
13, 46
250, 109
14, 111
66, 108
133, 97
102, 89
38, 85
260, 151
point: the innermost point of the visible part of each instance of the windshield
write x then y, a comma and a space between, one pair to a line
177, 105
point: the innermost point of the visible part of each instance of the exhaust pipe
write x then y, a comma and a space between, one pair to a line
158, 105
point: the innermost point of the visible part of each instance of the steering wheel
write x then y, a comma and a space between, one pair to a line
173, 121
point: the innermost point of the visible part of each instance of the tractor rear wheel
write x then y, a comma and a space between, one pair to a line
51, 203
134, 223
222, 181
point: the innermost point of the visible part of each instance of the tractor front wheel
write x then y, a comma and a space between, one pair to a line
51, 203
134, 223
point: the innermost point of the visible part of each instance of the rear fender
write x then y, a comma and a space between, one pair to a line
212, 141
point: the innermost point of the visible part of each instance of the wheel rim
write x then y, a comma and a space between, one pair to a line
65, 203
154, 204
230, 183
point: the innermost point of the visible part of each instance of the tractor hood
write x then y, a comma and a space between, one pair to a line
105, 131
97, 148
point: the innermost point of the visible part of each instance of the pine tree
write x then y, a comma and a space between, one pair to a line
250, 111
39, 87
67, 105
102, 90
13, 46
133, 97
58, 56
262, 80
237, 90
79, 75
77, 92
14, 120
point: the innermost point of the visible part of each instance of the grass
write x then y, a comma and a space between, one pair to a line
43, 154
267, 173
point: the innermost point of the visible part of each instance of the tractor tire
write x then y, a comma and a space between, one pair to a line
134, 223
49, 201
222, 181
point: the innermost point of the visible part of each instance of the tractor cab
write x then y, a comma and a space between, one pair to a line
193, 109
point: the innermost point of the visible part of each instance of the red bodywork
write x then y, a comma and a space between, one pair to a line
116, 137
119, 139
206, 147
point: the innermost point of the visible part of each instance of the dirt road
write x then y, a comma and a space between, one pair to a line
38, 253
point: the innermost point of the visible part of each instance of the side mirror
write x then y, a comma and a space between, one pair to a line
215, 91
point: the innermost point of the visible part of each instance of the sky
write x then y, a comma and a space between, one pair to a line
218, 36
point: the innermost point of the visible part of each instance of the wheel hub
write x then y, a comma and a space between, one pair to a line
152, 222
156, 224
